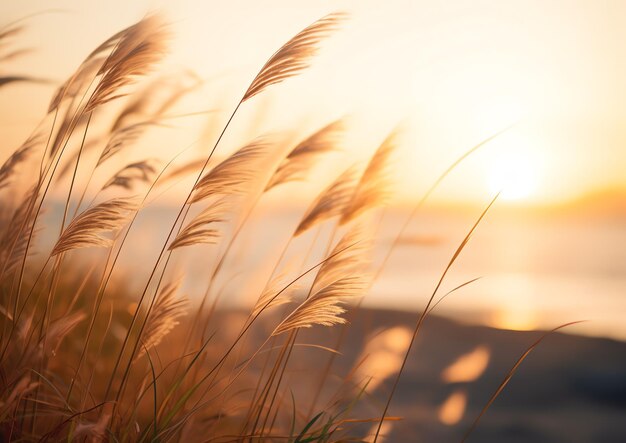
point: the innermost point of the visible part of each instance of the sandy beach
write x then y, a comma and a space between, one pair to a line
570, 389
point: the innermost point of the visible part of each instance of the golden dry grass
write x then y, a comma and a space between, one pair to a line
85, 358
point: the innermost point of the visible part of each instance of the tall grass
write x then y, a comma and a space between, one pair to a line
86, 357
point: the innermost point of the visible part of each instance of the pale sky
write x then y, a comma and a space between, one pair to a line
453, 72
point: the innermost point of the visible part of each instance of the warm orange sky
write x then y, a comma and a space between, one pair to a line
453, 72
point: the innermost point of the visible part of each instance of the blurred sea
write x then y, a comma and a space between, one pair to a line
537, 269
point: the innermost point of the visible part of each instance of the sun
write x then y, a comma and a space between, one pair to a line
513, 174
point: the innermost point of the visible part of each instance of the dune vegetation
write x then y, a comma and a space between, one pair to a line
86, 357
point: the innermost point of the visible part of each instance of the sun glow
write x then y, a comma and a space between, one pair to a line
514, 171
516, 320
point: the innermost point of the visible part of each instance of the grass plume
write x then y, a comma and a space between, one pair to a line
86, 230
293, 57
